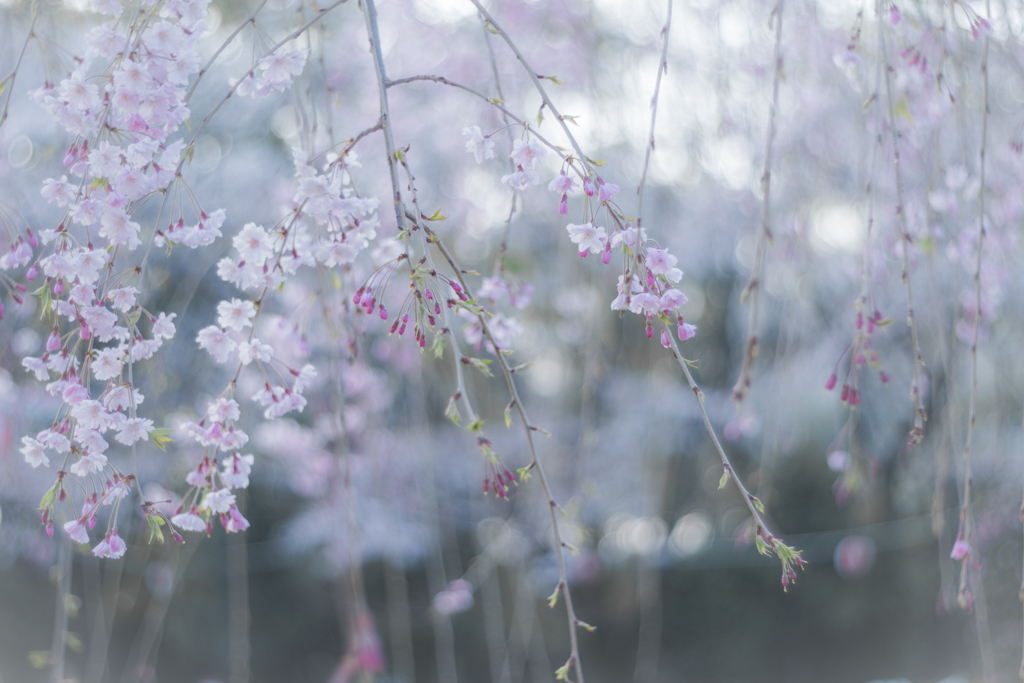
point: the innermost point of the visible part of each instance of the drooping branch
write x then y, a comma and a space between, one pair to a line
370, 14
917, 362
662, 69
752, 292
964, 535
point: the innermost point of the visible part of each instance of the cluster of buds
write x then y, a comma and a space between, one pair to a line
790, 557
860, 352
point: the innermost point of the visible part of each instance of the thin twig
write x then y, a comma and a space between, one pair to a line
251, 19
535, 463
917, 431
489, 100
662, 69
764, 236
14, 74
965, 515
537, 84
503, 247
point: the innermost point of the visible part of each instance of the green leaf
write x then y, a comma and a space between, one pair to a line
154, 528
49, 497
438, 346
481, 365
399, 154
452, 412
508, 415
75, 642
495, 100
562, 672
553, 598
39, 659
571, 118
436, 217
44, 303
160, 437
723, 480
757, 504
475, 426
553, 79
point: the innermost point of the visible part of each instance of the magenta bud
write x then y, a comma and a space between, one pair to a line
58, 287
606, 256
84, 332
854, 397
32, 238
665, 340
830, 384
383, 313
583, 254
32, 272
882, 376
846, 393
563, 206
49, 528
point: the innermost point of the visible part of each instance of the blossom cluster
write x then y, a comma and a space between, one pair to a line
122, 117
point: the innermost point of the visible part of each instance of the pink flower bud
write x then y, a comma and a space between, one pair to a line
583, 254
665, 340
32, 238
606, 255
830, 384
961, 549
563, 206
588, 187
383, 312
58, 287
854, 397
846, 393
32, 272
53, 341
882, 376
